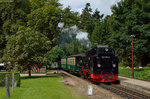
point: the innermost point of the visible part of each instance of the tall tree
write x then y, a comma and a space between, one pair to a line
55, 53
88, 20
46, 15
27, 48
12, 15
70, 44
101, 32
131, 17
96, 15
69, 18
45, 18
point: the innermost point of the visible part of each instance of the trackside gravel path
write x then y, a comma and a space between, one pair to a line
82, 86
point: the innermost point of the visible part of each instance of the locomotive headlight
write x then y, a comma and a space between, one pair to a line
114, 65
98, 65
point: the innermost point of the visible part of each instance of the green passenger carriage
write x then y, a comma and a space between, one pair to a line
64, 63
70, 63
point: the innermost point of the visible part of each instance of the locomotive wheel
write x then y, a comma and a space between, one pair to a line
117, 82
91, 80
82, 75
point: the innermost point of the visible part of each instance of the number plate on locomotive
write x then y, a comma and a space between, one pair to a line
105, 56
106, 76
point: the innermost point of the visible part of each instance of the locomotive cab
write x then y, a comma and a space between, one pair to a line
103, 64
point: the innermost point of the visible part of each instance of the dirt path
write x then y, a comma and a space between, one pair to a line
79, 89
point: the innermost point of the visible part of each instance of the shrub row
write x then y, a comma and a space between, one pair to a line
3, 76
140, 73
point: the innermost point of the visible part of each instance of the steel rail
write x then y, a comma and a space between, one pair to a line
133, 91
122, 90
126, 92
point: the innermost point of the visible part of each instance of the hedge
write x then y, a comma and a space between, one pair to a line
139, 73
2, 78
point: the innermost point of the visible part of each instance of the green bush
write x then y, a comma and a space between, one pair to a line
3, 76
140, 73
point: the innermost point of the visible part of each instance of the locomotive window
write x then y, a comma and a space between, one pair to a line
93, 51
113, 51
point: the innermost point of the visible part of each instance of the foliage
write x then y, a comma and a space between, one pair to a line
69, 43
38, 19
69, 18
101, 32
55, 53
12, 15
87, 19
45, 18
75, 47
2, 78
140, 73
26, 48
131, 17
46, 87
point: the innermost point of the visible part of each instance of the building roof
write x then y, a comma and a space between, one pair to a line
1, 64
76, 55
80, 55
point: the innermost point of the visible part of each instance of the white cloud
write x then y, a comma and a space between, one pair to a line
102, 5
60, 25
82, 35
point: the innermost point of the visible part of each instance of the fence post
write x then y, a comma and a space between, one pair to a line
13, 81
7, 86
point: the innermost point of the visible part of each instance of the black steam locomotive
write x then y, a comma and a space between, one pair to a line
99, 64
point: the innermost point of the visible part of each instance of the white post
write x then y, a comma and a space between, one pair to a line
90, 90
13, 81
57, 66
7, 86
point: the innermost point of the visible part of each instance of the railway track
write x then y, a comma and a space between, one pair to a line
121, 90
126, 91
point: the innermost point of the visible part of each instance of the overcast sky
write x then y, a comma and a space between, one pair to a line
104, 6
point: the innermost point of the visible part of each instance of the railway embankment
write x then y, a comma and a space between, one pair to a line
135, 83
128, 88
76, 83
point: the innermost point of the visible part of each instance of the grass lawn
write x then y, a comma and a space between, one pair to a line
46, 87
140, 73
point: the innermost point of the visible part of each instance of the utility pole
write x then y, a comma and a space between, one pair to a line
132, 36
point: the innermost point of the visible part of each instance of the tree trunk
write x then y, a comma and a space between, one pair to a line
139, 59
29, 71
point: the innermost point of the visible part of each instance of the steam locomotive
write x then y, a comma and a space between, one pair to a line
99, 64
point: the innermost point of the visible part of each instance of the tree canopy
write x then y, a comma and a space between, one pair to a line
131, 17
29, 31
32, 19
27, 48
55, 54
88, 19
